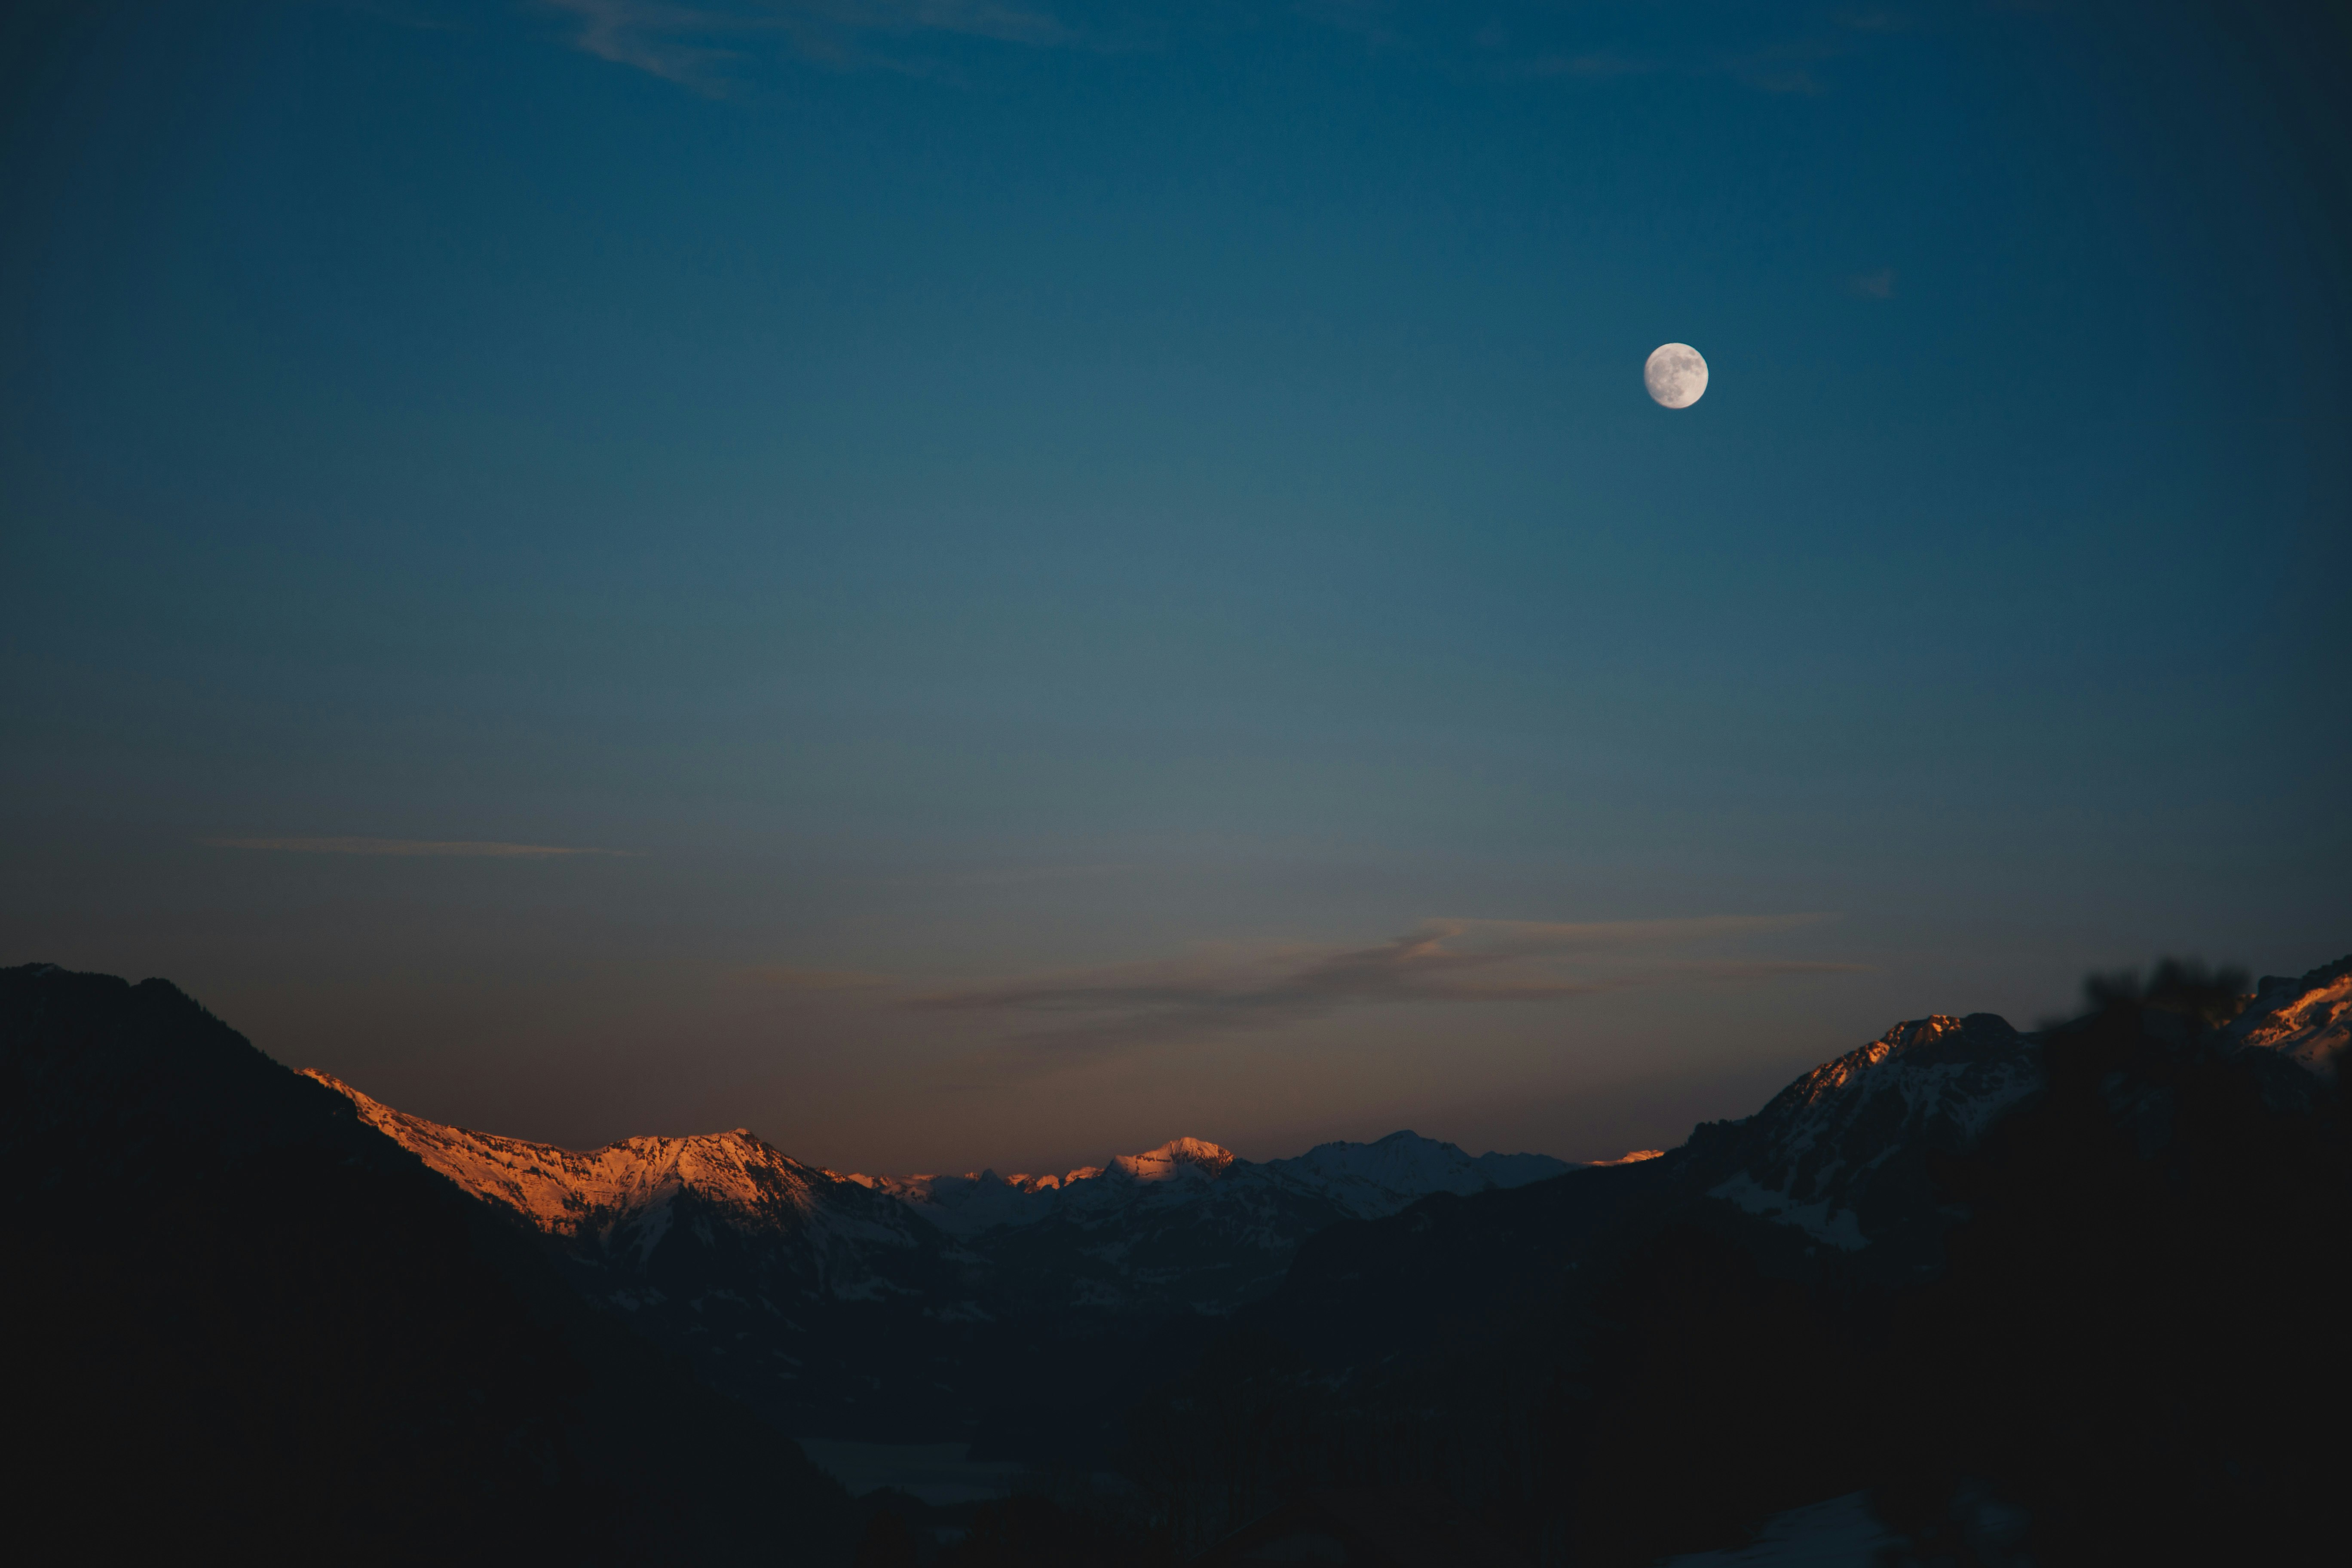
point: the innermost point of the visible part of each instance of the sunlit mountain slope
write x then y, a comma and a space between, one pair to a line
250, 1328
922, 1305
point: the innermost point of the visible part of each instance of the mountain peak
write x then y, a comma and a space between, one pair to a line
2307, 1019
1179, 1159
1368, 1180
1816, 1156
574, 1193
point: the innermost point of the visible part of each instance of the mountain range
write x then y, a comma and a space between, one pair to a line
460, 1344
937, 1306
924, 1306
1362, 1181
2005, 1284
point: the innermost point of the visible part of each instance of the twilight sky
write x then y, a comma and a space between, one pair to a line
993, 581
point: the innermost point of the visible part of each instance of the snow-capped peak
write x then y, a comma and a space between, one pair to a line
2307, 1020
977, 1201
626, 1188
1364, 1181
1813, 1157
1178, 1160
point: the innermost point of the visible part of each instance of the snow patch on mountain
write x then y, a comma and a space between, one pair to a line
1361, 1181
1838, 1228
977, 1201
1840, 1153
1178, 1160
2307, 1020
621, 1196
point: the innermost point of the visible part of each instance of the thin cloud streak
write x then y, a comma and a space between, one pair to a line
696, 45
1598, 66
1225, 990
637, 34
463, 848
677, 43
785, 977
1012, 875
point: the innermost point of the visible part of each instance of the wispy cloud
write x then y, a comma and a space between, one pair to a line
398, 16
1221, 990
785, 977
653, 37
447, 847
1013, 875
1878, 285
1380, 23
701, 44
1595, 65
1785, 68
1784, 51
695, 44
1793, 64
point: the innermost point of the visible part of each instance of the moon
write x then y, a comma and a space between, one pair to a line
1676, 376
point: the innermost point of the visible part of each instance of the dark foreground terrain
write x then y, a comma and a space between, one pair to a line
2072, 1296
244, 1325
2104, 1330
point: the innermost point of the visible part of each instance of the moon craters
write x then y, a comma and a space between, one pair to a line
1676, 376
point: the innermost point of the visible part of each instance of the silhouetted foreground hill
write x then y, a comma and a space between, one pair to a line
243, 1324
2065, 1297
2074, 1298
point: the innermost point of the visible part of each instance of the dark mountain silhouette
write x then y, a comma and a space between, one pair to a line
2075, 1294
2069, 1295
2140, 1339
247, 1325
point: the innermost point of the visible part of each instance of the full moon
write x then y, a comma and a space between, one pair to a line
1676, 376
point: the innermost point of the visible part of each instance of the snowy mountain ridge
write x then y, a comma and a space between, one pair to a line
975, 1202
1824, 1154
1362, 1181
875, 1305
623, 1198
621, 1201
2306, 1019
1841, 1153
868, 1303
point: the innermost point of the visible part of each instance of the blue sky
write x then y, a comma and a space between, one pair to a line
1105, 572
